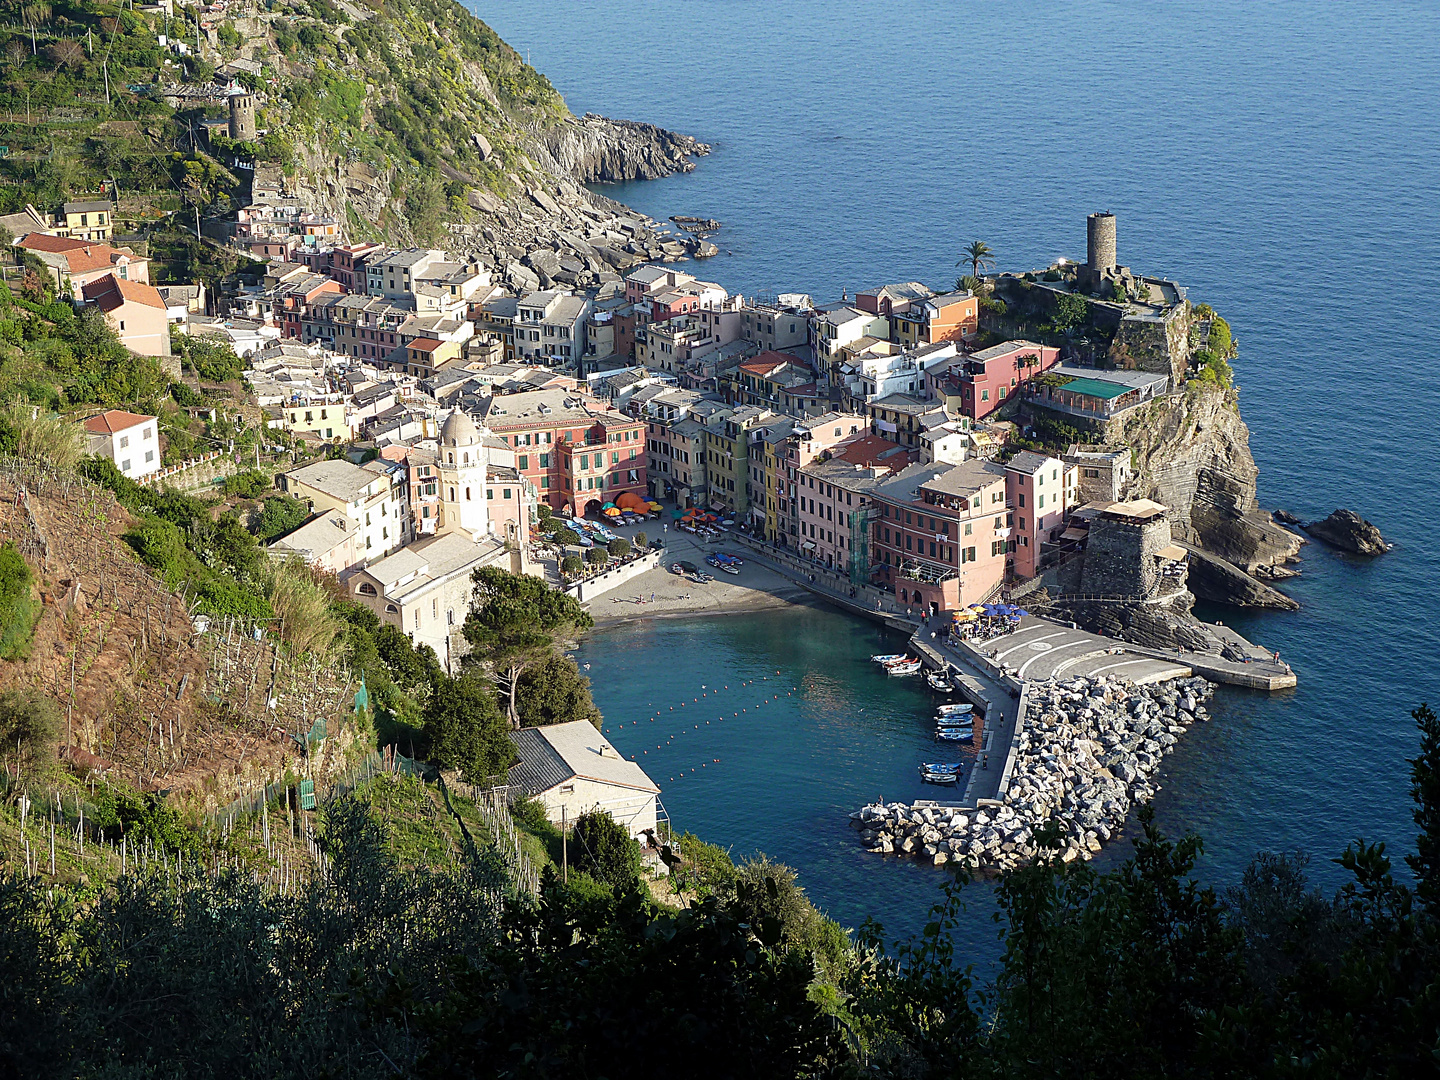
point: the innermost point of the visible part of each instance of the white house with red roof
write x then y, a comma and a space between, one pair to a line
135, 311
130, 440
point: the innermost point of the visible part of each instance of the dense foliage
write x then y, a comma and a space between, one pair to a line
394, 968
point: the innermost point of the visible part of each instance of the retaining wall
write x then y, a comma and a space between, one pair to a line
603, 582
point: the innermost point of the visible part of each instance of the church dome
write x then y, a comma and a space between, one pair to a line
459, 430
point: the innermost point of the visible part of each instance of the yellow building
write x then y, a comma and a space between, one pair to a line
326, 420
91, 221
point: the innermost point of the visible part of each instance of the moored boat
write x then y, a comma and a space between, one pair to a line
939, 682
888, 658
904, 667
954, 710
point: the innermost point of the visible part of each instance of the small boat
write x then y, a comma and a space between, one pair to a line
950, 767
954, 736
939, 682
888, 658
730, 569
954, 710
939, 778
905, 667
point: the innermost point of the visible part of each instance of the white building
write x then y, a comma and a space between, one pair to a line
425, 589
128, 439
372, 498
572, 768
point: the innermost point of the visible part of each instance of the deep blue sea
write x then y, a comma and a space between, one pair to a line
1281, 160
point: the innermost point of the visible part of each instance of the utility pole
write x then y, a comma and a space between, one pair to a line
105, 68
564, 849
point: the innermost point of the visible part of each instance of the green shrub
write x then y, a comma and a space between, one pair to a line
19, 606
530, 815
248, 484
597, 556
571, 565
566, 537
619, 547
183, 396
641, 541
279, 515
29, 729
600, 846
707, 869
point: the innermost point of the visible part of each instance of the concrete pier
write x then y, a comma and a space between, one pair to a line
993, 675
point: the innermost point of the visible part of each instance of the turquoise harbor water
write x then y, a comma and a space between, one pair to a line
1281, 160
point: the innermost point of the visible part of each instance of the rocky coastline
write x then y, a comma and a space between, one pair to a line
1088, 751
1348, 531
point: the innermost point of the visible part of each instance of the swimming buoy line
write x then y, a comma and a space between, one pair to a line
706, 693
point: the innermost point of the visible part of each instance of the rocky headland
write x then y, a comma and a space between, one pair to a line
1088, 751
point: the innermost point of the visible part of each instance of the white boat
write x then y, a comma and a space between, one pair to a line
954, 736
910, 667
888, 658
931, 766
930, 776
954, 710
939, 682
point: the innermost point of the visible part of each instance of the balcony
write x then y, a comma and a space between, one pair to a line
927, 573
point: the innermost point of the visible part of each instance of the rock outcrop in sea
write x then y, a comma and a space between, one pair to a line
1348, 531
596, 149
1089, 751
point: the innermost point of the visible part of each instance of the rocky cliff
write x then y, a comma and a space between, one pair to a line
595, 149
1192, 453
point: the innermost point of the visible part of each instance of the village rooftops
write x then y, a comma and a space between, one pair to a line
945, 482
339, 479
1028, 462
903, 403
94, 207
1005, 348
110, 292
424, 562
312, 540
560, 752
550, 408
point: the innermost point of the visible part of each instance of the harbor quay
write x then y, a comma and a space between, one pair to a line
1069, 727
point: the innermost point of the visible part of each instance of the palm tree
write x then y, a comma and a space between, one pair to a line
978, 255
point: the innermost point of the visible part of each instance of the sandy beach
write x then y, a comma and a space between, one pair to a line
658, 593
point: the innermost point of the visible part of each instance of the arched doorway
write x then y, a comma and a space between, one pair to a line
593, 508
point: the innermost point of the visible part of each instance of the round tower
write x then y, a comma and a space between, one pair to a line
1100, 242
242, 117
462, 468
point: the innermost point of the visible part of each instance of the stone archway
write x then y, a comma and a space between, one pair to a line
594, 506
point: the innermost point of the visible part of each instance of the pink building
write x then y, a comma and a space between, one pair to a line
834, 497
808, 440
984, 380
1039, 490
941, 534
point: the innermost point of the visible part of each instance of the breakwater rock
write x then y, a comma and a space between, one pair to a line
1089, 750
1348, 531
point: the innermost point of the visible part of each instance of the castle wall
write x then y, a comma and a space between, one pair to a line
1120, 557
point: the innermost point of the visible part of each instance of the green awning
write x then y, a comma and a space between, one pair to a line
1106, 391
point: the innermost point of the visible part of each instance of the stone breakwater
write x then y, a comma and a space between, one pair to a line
1089, 750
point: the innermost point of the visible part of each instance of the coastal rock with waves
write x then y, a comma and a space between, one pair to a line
1348, 531
597, 149
1089, 751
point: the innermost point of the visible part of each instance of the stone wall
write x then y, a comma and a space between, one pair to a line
1158, 343
1120, 557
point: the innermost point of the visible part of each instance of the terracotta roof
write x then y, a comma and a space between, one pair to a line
425, 344
46, 242
109, 292
113, 420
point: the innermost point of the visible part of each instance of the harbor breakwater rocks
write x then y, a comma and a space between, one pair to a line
1088, 751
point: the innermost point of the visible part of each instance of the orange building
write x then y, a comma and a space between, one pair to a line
951, 317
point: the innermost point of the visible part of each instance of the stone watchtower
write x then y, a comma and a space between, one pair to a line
1123, 550
1100, 242
242, 117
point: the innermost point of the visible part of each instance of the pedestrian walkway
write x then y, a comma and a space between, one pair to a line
832, 585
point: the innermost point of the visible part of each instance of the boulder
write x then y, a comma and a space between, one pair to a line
1348, 531
482, 145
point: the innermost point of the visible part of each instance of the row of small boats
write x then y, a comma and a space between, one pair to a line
898, 663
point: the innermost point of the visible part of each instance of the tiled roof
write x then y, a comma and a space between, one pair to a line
551, 755
110, 292
114, 420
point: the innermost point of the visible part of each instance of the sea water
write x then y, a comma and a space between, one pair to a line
1282, 161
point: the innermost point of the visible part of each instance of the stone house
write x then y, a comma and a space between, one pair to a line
573, 769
